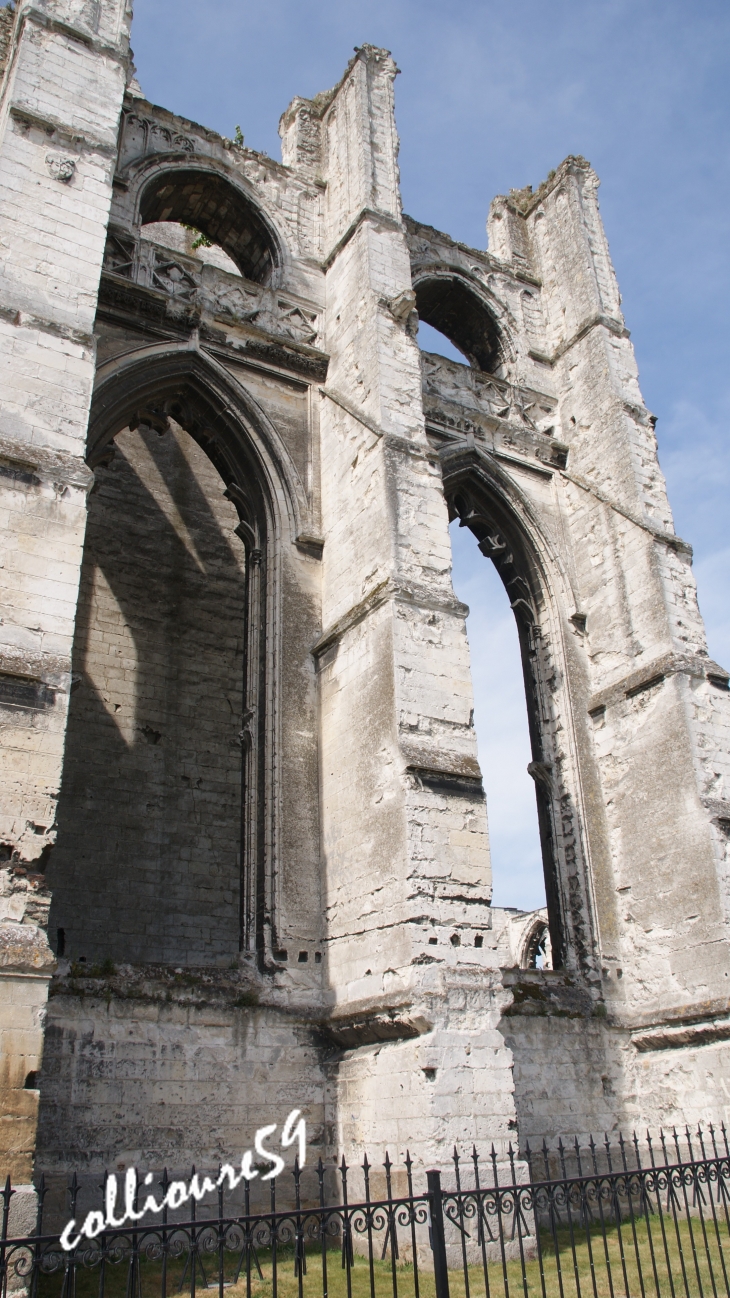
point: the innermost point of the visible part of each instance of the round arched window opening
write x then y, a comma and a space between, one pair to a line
214, 206
449, 305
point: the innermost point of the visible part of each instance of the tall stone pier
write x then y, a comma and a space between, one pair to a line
245, 856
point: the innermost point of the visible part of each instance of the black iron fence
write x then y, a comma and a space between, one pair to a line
599, 1220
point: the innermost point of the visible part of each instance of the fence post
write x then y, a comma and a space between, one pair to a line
438, 1241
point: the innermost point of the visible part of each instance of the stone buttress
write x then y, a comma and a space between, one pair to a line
64, 78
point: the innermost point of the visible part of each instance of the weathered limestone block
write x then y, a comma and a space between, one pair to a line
26, 965
61, 98
191, 1074
452, 1085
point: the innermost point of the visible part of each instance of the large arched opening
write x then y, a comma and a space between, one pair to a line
450, 304
483, 500
501, 724
161, 853
210, 203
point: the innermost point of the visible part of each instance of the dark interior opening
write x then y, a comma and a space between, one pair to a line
214, 207
448, 304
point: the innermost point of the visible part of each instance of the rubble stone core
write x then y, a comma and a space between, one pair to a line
244, 833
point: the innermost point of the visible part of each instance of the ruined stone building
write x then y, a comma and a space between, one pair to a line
245, 851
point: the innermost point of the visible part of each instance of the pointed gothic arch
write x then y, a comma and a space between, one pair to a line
171, 388
180, 380
485, 499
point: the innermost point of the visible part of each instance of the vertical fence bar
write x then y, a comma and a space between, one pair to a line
500, 1223
657, 1191
644, 1203
193, 1255
371, 1267
274, 1239
535, 1212
221, 1236
482, 1221
722, 1194
554, 1218
518, 1219
412, 1213
438, 1239
462, 1228
300, 1257
708, 1172
134, 1278
586, 1217
8, 1193
632, 1219
601, 1214
347, 1258
687, 1211
102, 1242
699, 1199
323, 1225
68, 1289
599, 1181
164, 1184
672, 1202
569, 1206
616, 1203
41, 1192
391, 1231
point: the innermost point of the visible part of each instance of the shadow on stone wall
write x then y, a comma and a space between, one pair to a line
147, 862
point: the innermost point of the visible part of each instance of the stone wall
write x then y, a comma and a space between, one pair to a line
169, 1071
147, 865
577, 1073
271, 738
61, 98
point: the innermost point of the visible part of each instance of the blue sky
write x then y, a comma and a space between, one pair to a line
490, 97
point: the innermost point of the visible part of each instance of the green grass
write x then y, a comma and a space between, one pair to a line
677, 1262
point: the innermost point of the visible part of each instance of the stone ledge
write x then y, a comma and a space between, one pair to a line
78, 34
549, 993
444, 771
20, 319
366, 1029
27, 118
188, 986
653, 673
689, 1034
390, 589
676, 1016
26, 465
365, 214
24, 950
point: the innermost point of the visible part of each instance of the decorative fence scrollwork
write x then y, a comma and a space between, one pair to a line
637, 1217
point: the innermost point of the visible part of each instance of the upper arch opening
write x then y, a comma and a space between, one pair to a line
218, 210
448, 304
